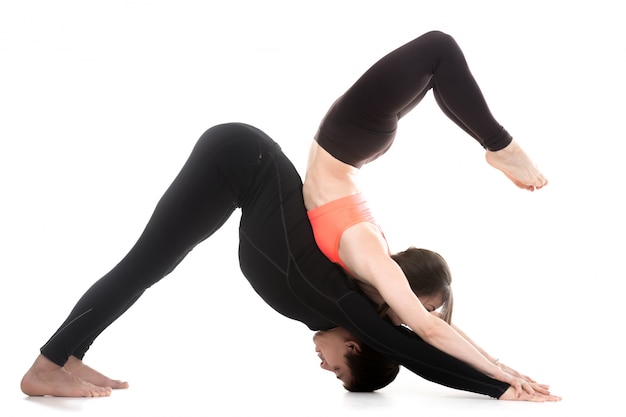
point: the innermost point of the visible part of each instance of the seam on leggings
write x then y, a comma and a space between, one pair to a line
291, 256
282, 270
65, 327
336, 302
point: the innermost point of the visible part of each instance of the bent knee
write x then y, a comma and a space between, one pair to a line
439, 37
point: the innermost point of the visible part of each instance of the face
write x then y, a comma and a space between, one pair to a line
331, 347
431, 302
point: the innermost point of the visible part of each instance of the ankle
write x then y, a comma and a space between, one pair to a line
44, 364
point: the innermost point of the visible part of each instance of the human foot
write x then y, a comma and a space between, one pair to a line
517, 166
47, 378
86, 373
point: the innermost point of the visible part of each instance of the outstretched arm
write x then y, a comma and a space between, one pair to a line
403, 346
364, 251
539, 388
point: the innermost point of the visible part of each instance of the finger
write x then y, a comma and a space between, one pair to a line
528, 388
544, 398
536, 399
540, 386
531, 397
529, 379
523, 388
541, 390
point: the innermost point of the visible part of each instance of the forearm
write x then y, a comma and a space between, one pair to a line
470, 341
396, 291
446, 338
411, 351
432, 329
385, 275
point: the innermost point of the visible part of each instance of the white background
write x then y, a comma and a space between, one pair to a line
102, 101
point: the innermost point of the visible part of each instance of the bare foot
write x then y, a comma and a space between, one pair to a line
86, 373
47, 378
517, 166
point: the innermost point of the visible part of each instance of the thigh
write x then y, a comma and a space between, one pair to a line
201, 198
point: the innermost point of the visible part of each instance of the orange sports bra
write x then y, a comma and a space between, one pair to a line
330, 220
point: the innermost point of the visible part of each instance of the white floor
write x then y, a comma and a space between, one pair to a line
284, 384
100, 104
187, 364
278, 401
184, 356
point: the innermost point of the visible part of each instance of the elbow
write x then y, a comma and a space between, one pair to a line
432, 331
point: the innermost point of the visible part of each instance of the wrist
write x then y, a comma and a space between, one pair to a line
500, 373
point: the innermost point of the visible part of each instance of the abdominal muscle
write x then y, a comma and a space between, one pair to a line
327, 179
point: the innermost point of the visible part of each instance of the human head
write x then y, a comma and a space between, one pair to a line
428, 275
358, 366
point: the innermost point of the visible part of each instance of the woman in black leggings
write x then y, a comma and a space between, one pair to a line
361, 126
238, 166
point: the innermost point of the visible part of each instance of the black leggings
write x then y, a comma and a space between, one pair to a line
236, 165
215, 180
361, 124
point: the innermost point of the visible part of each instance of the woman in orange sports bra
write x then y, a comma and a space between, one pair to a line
359, 127
342, 213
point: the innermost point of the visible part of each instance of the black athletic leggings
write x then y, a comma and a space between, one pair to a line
236, 165
211, 185
361, 125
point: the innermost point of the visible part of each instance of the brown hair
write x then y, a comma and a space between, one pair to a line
370, 370
428, 274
